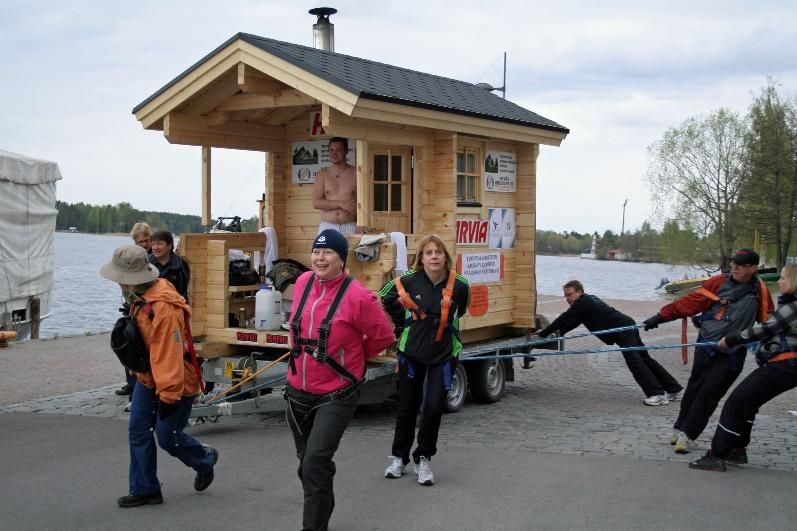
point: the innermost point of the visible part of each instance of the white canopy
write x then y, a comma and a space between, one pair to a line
27, 225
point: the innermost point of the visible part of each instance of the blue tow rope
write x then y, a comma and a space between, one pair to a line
712, 344
589, 351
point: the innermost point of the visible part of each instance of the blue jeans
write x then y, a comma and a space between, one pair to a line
145, 425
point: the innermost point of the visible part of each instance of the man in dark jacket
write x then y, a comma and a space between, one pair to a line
658, 385
724, 304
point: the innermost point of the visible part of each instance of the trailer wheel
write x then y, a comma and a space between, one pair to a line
459, 390
487, 381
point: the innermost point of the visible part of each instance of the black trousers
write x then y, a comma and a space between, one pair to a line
317, 425
648, 373
712, 376
739, 411
411, 394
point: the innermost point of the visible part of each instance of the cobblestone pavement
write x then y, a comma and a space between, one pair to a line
576, 404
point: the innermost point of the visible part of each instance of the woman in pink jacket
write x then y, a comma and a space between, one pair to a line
336, 325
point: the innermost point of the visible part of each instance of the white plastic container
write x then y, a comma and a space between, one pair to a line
268, 309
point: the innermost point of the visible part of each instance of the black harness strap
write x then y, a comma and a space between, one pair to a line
317, 348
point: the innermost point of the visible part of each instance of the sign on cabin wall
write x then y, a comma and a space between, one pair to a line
472, 231
500, 171
310, 157
479, 268
502, 228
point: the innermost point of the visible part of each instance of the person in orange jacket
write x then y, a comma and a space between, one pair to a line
164, 394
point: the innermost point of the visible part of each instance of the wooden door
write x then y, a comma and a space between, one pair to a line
390, 177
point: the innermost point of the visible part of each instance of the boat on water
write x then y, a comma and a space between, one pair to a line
27, 232
684, 284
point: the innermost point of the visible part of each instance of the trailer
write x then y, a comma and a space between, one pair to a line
432, 155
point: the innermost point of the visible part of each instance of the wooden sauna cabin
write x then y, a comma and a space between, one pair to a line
432, 155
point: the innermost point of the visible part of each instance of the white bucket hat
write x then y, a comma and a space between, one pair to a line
129, 265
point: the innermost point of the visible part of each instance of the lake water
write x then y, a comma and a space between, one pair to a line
86, 302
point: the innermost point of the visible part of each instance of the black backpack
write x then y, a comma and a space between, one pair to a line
128, 343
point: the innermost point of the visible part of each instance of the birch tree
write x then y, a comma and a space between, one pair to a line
695, 174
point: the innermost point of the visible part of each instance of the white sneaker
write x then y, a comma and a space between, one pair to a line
656, 400
424, 471
684, 444
674, 436
675, 397
396, 468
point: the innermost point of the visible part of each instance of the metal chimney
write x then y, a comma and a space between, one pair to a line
323, 29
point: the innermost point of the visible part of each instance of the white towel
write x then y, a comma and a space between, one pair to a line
271, 249
401, 251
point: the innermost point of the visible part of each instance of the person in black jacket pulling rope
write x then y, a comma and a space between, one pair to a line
425, 305
659, 386
776, 374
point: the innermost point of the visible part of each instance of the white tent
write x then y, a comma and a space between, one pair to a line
27, 229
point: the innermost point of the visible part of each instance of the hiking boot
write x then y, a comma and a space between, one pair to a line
125, 390
674, 436
203, 481
424, 471
710, 461
396, 468
683, 444
656, 400
737, 456
136, 500
676, 396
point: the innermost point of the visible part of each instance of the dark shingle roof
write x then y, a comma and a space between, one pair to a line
379, 81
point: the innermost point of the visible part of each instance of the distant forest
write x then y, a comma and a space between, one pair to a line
102, 219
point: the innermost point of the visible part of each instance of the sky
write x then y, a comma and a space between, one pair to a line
618, 74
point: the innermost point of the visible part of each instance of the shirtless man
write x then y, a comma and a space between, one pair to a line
335, 191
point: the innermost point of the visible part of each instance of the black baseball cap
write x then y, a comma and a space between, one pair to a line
745, 257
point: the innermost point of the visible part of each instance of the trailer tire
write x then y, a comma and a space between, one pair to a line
487, 381
459, 390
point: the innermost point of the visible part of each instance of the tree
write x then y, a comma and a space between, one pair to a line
696, 171
769, 197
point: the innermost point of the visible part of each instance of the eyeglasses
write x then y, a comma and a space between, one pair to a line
734, 264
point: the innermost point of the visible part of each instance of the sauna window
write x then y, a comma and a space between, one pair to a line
387, 183
468, 176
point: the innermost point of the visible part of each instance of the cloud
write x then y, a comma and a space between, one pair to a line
618, 74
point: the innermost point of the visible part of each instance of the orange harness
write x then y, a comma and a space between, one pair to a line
445, 306
763, 313
783, 356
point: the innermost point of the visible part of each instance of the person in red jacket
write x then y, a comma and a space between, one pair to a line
725, 304
163, 395
336, 325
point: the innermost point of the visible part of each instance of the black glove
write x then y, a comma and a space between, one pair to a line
653, 322
166, 409
545, 332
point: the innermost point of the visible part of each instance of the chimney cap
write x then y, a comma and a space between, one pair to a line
323, 11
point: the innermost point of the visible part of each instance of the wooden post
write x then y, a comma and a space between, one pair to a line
363, 206
35, 317
206, 215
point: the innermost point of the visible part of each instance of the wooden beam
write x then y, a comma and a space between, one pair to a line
247, 102
194, 131
338, 124
250, 82
443, 121
216, 118
214, 93
206, 215
229, 127
361, 154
